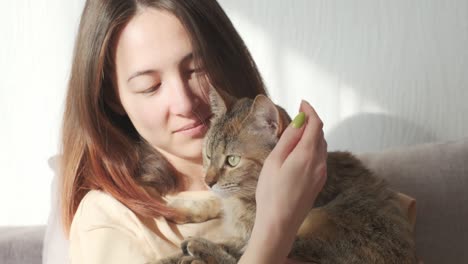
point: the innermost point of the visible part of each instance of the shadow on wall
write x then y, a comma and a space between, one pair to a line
407, 57
370, 128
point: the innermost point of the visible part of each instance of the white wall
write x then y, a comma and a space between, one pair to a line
380, 74
35, 53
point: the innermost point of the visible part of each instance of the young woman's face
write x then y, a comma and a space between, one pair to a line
158, 84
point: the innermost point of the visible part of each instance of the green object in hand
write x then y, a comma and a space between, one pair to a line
299, 120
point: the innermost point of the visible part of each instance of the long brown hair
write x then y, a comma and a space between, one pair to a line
99, 145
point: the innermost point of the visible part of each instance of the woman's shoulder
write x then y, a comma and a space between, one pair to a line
98, 198
101, 220
100, 201
99, 209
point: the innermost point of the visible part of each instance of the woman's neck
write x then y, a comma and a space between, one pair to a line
190, 170
193, 174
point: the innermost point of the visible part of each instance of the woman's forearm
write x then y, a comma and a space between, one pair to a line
268, 244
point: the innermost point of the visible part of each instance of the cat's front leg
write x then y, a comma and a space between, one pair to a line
179, 259
194, 210
209, 252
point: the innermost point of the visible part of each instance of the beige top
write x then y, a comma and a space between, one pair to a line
106, 231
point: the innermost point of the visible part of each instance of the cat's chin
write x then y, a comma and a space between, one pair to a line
221, 192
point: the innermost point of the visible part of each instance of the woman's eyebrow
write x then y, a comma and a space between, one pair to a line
185, 59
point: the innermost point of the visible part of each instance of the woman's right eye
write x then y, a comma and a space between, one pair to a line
152, 89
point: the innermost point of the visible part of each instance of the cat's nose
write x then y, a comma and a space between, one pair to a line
211, 178
210, 181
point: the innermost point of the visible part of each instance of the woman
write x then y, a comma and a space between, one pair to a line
141, 71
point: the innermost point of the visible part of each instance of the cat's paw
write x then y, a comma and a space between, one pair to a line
179, 259
198, 247
191, 260
168, 260
209, 252
194, 210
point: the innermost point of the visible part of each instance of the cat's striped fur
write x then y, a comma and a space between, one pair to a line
355, 219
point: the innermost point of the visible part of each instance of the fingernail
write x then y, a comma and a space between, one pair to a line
298, 120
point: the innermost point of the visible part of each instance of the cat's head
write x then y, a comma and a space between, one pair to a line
242, 134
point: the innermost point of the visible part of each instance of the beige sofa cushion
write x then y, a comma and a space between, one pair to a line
436, 175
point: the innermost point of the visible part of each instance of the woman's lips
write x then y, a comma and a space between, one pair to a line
189, 126
194, 129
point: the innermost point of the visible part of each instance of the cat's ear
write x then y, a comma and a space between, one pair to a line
220, 101
268, 117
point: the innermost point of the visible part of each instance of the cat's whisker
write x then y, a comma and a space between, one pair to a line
226, 189
246, 191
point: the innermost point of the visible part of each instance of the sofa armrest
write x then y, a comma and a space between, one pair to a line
20, 245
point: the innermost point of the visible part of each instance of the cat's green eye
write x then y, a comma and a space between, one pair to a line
233, 160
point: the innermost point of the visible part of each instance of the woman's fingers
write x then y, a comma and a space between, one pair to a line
310, 153
289, 139
308, 147
313, 130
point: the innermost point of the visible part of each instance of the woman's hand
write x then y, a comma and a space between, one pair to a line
293, 173
291, 178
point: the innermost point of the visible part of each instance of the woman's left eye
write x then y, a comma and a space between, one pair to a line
233, 160
152, 89
194, 71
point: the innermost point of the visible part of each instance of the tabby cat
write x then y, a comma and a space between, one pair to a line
355, 219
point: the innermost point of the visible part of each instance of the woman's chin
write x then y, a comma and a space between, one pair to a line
190, 152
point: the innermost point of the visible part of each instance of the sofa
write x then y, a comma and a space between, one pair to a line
435, 174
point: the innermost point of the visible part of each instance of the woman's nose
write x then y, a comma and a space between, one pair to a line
183, 100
